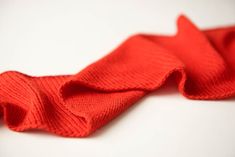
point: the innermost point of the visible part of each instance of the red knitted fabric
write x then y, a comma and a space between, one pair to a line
201, 62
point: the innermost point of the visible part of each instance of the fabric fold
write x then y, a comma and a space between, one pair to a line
200, 61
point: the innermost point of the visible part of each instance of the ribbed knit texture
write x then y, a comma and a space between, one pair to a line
201, 61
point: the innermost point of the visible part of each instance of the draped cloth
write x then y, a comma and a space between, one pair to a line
202, 63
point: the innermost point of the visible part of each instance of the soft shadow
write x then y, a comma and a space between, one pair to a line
116, 120
40, 133
1, 123
169, 88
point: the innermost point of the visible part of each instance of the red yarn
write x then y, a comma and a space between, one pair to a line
202, 62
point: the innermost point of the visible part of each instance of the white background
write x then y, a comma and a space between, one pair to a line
48, 37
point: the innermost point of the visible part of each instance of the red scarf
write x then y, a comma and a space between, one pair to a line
201, 61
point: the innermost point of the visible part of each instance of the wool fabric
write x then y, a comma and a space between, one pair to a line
202, 62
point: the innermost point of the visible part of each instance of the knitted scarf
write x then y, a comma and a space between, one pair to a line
202, 63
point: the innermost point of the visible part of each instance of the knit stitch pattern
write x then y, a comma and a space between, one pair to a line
202, 62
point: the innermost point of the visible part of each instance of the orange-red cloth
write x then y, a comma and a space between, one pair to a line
201, 61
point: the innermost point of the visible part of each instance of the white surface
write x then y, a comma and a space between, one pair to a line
59, 37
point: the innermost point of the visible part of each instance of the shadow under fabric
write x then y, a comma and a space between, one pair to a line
201, 61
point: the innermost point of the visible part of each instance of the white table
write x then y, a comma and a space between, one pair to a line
49, 37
